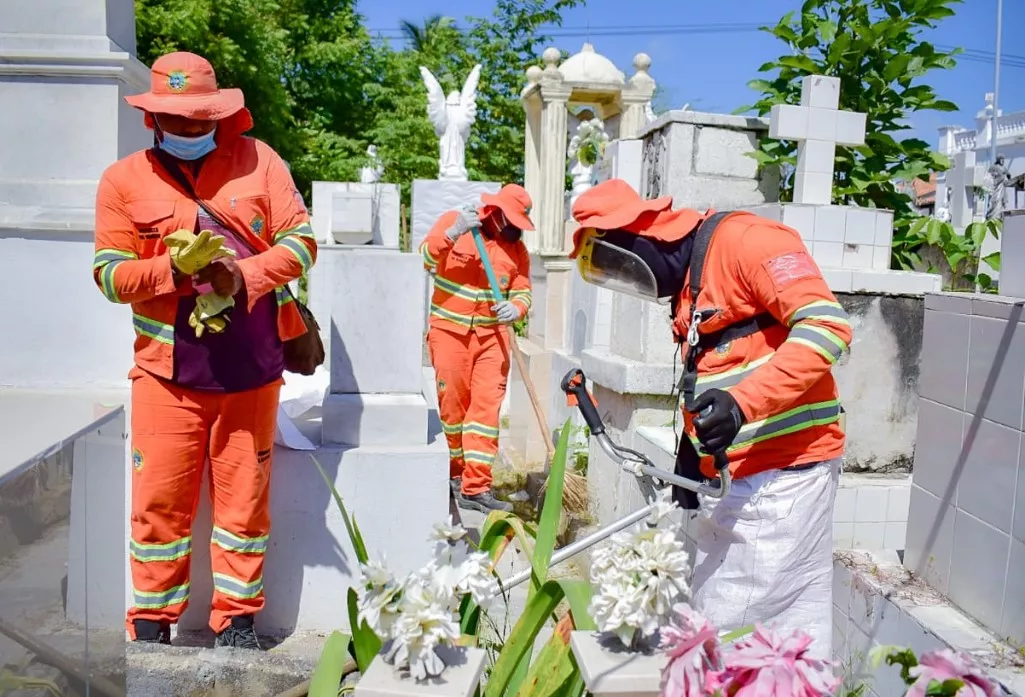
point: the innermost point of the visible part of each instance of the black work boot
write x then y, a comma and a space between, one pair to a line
239, 634
485, 502
152, 632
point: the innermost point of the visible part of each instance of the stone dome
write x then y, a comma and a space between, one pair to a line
591, 68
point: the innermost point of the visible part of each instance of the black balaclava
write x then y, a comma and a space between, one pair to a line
668, 261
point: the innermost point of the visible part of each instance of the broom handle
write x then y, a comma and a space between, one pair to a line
520, 363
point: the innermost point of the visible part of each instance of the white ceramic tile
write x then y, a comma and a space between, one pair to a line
813, 188
839, 280
895, 536
830, 223
829, 254
884, 228
861, 226
816, 156
881, 257
822, 123
869, 535
858, 256
788, 122
843, 506
978, 574
843, 535
850, 128
899, 504
800, 218
820, 91
872, 504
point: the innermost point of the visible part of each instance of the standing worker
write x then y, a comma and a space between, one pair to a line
467, 342
760, 332
211, 310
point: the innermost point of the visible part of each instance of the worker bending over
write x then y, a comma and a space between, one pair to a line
467, 341
207, 287
760, 332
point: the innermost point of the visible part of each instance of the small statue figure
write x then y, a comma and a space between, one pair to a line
371, 173
999, 182
452, 117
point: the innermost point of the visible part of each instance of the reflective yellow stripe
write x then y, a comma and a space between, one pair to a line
480, 429
105, 256
298, 248
301, 230
455, 453
479, 457
161, 552
730, 377
796, 419
430, 261
283, 296
470, 293
237, 589
105, 261
451, 429
158, 331
235, 543
821, 310
820, 339
463, 320
523, 296
158, 600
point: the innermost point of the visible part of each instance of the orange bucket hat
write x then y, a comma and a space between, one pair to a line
184, 84
615, 205
514, 202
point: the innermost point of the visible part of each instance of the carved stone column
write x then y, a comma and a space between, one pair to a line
551, 207
636, 95
533, 107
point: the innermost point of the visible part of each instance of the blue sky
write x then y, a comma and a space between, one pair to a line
710, 69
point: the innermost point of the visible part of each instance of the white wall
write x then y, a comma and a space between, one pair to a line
58, 329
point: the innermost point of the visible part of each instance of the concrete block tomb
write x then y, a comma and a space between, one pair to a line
351, 213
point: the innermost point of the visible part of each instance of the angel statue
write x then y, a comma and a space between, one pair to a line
452, 117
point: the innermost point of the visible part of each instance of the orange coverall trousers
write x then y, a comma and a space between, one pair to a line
174, 430
472, 371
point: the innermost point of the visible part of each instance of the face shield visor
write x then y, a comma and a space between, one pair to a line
620, 270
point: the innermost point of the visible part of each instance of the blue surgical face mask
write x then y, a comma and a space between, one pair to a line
185, 148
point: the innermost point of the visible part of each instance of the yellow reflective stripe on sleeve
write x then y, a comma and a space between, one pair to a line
169, 551
235, 543
237, 589
298, 248
820, 339
523, 296
158, 600
105, 261
283, 296
158, 331
479, 457
463, 320
820, 310
791, 421
105, 256
480, 429
430, 261
301, 230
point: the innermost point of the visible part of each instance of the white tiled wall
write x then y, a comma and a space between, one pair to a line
871, 512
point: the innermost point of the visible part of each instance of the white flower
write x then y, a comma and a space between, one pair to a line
379, 595
465, 572
425, 622
661, 511
639, 576
448, 532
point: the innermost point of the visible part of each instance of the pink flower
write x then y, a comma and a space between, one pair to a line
769, 665
692, 644
946, 665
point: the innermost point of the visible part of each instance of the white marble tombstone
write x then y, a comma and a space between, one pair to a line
355, 213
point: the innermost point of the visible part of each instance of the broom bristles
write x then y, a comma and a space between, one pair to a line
574, 493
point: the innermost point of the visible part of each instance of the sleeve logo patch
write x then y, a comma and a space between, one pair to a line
791, 267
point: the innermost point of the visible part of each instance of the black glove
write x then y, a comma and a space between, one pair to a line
721, 421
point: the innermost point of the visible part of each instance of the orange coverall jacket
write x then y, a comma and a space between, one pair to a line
462, 299
781, 376
246, 184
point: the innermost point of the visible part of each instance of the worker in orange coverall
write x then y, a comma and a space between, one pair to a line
760, 332
210, 311
467, 342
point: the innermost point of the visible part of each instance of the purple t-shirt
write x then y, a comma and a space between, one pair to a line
246, 355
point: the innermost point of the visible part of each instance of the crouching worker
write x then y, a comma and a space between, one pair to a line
760, 332
206, 283
467, 340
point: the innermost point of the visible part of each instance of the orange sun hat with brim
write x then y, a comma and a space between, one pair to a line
514, 202
615, 205
184, 84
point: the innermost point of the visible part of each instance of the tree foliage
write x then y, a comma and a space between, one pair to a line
321, 89
875, 48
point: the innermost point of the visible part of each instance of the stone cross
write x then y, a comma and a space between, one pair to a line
819, 126
964, 176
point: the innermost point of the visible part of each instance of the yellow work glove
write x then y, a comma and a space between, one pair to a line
210, 313
190, 253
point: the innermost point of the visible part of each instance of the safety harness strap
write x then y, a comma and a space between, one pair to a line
698, 343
